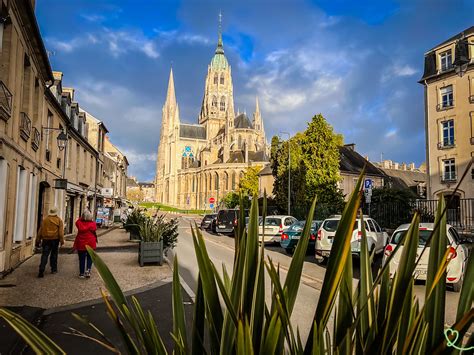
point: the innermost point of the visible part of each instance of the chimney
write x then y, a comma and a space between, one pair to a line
351, 146
411, 166
395, 166
403, 166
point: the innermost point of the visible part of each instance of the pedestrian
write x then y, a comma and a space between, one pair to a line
86, 236
50, 237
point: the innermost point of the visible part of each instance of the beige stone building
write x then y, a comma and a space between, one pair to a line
197, 162
115, 174
449, 116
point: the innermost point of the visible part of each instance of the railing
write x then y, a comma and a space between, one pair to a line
445, 105
6, 99
446, 144
448, 177
25, 126
35, 142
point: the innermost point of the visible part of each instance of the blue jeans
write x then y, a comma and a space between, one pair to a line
49, 246
83, 257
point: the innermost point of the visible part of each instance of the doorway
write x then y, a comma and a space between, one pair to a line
41, 194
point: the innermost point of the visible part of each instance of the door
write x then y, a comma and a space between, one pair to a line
453, 211
41, 194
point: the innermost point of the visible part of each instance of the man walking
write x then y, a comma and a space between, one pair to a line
50, 236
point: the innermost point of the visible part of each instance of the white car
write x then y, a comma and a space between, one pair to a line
274, 226
459, 254
376, 237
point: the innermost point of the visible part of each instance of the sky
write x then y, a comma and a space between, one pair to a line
356, 62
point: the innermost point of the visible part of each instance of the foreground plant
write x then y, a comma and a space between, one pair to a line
380, 316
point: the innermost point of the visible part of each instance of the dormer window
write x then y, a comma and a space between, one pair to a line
446, 60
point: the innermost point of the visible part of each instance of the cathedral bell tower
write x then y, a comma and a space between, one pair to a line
217, 110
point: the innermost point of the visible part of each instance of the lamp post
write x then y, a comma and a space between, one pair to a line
289, 171
462, 56
62, 140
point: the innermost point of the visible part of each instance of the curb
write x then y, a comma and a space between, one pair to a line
183, 283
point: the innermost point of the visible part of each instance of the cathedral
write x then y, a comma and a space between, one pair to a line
199, 163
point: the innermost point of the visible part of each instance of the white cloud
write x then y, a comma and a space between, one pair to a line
93, 17
405, 70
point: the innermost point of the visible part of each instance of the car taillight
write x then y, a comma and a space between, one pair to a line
451, 279
319, 234
388, 250
235, 222
281, 229
312, 236
284, 236
452, 253
359, 234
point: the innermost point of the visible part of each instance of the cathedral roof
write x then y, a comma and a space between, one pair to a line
242, 121
192, 131
219, 61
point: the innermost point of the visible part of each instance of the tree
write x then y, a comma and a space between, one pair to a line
231, 200
314, 170
248, 184
135, 194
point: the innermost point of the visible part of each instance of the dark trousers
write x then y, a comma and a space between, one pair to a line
83, 258
49, 247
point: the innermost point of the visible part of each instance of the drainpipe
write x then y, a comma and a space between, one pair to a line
427, 143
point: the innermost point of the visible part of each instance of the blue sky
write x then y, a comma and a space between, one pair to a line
356, 62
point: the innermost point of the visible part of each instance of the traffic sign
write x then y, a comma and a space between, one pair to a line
368, 183
212, 200
368, 192
368, 198
211, 206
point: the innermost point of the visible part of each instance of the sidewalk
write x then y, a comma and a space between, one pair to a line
49, 301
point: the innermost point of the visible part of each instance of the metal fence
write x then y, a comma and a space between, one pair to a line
459, 213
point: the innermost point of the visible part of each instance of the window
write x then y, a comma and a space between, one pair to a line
216, 180
449, 170
216, 78
448, 133
49, 142
446, 96
233, 181
371, 225
3, 198
446, 60
58, 163
214, 101
377, 227
222, 79
222, 107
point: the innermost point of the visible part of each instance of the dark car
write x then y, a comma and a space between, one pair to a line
291, 236
206, 222
227, 220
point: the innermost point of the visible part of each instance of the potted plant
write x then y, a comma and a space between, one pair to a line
151, 242
132, 224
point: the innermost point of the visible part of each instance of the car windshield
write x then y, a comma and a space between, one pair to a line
270, 221
330, 225
398, 236
297, 226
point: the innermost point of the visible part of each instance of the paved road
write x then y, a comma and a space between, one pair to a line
221, 251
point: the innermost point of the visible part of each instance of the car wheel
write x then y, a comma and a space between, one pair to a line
289, 251
321, 260
458, 285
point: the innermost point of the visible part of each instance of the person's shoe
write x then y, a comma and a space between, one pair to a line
81, 276
40, 274
54, 271
88, 274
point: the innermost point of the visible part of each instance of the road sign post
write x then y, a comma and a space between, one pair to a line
368, 185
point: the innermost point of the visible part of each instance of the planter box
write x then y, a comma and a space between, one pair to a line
150, 252
134, 235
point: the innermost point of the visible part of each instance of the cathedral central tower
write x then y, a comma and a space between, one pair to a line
217, 110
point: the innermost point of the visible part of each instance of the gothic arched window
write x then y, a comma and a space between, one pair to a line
214, 101
216, 78
216, 187
222, 79
239, 142
233, 181
222, 108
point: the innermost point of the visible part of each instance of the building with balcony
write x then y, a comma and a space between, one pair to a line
449, 116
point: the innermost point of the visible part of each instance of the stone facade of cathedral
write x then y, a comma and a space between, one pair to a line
206, 160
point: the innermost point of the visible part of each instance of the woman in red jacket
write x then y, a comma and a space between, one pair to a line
86, 236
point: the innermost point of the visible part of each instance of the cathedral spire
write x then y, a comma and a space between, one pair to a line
170, 95
257, 107
220, 46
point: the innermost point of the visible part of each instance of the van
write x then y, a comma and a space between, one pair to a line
227, 220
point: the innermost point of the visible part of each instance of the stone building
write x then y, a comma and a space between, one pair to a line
198, 161
448, 80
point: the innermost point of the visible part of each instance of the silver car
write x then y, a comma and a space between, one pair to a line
274, 226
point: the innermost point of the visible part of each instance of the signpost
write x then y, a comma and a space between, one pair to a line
212, 200
368, 184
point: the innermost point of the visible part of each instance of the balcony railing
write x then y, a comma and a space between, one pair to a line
6, 99
445, 105
35, 143
25, 126
449, 177
446, 144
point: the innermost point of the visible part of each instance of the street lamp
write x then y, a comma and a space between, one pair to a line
289, 171
462, 58
62, 140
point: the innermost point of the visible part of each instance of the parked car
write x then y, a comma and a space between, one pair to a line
458, 253
206, 223
274, 226
291, 235
376, 237
227, 220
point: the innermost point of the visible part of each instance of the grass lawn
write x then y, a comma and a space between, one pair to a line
171, 209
